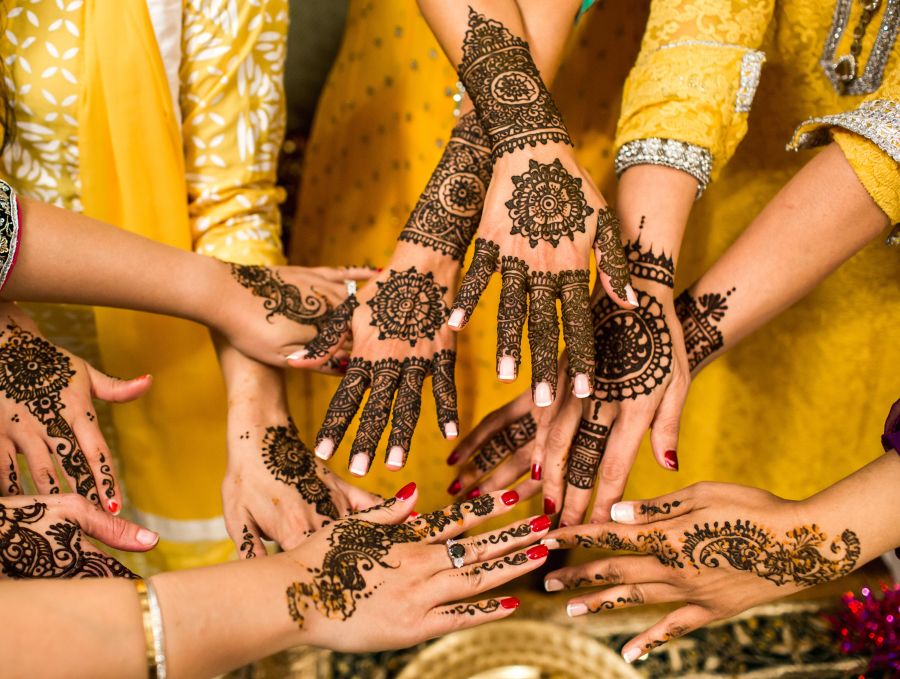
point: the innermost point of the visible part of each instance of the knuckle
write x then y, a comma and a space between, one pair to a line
613, 471
636, 594
475, 579
611, 574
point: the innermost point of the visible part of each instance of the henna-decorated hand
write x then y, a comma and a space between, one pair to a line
719, 548
43, 536
353, 570
46, 414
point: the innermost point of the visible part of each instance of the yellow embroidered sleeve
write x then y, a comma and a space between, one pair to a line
233, 108
686, 99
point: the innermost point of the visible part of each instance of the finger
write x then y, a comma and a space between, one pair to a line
40, 465
527, 488
676, 624
9, 468
359, 499
459, 517
406, 411
611, 260
248, 541
557, 441
617, 570
581, 472
482, 267
115, 390
394, 510
343, 407
488, 426
618, 538
511, 316
621, 450
502, 444
445, 619
111, 530
624, 596
578, 329
375, 414
332, 333
471, 580
505, 475
495, 544
443, 386
97, 454
666, 423
543, 336
62, 441
658, 509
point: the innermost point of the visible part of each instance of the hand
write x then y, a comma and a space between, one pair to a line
46, 411
719, 548
41, 537
354, 570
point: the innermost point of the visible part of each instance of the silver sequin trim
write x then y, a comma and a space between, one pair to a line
9, 230
870, 80
690, 158
877, 120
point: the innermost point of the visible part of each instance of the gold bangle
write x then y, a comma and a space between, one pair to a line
149, 636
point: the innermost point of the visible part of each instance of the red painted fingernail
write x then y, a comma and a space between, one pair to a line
144, 377
671, 458
113, 507
541, 523
379, 269
414, 515
453, 458
549, 506
406, 492
537, 552
473, 493
510, 497
509, 602
536, 472
454, 487
344, 363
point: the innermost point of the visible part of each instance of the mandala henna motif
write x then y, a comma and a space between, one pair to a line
612, 260
482, 267
408, 306
586, 454
346, 400
282, 299
513, 308
547, 204
543, 328
505, 442
409, 403
449, 209
332, 328
506, 87
575, 299
699, 318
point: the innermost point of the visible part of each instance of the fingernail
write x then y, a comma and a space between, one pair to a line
574, 610
359, 465
510, 497
622, 512
509, 602
537, 552
379, 269
325, 449
457, 316
536, 472
553, 585
671, 460
453, 458
414, 515
344, 363
582, 386
540, 524
406, 492
549, 506
550, 543
631, 296
454, 487
145, 376
643, 657
147, 537
631, 654
472, 494
542, 395
395, 457
297, 355
113, 507
506, 371
451, 431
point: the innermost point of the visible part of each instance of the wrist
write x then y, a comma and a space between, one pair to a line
213, 294
445, 269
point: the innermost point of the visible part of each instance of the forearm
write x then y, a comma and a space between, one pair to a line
253, 388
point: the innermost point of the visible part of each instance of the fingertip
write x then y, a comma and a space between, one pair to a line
631, 654
457, 319
543, 396
622, 512
509, 603
451, 430
113, 506
325, 449
359, 464
506, 369
147, 537
631, 296
406, 492
581, 386
395, 458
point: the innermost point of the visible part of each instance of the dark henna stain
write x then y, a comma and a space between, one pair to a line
505, 442
699, 318
586, 454
408, 306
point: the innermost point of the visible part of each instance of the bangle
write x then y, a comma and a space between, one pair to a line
153, 629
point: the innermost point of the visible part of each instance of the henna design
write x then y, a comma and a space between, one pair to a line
409, 306
676, 631
646, 264
547, 204
443, 383
34, 372
505, 442
332, 328
654, 542
543, 328
506, 87
282, 299
375, 414
409, 403
488, 606
499, 564
635, 599
634, 348
248, 547
13, 488
653, 510
699, 318
612, 260
513, 308
56, 552
586, 454
747, 547
575, 300
481, 268
449, 209
292, 463
504, 536
345, 401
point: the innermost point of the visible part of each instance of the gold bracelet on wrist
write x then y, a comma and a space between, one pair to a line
149, 638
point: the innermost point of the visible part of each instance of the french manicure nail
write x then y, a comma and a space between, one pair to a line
582, 386
622, 512
147, 537
537, 552
549, 506
406, 492
457, 316
451, 431
542, 395
550, 543
506, 371
395, 457
540, 524
453, 458
325, 449
359, 465
113, 507
509, 602
298, 355
631, 296
576, 609
553, 585
643, 657
472, 494
510, 497
631, 654
454, 487
536, 472
671, 458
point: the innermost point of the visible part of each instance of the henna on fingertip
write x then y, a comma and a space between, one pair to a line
476, 279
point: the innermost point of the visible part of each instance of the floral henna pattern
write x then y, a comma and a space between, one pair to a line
586, 454
247, 548
506, 87
449, 209
345, 401
282, 299
57, 552
547, 204
332, 328
408, 306
699, 318
505, 442
513, 308
482, 267
612, 260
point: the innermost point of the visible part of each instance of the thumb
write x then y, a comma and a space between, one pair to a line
115, 390
114, 531
666, 423
394, 510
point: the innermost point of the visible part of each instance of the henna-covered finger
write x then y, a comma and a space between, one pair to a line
673, 626
496, 543
375, 415
453, 617
443, 386
457, 518
490, 425
490, 573
611, 260
505, 475
98, 457
657, 509
623, 596
247, 539
343, 407
578, 329
615, 570
481, 268
511, 316
543, 336
506, 442
406, 410
583, 465
39, 460
333, 329
9, 469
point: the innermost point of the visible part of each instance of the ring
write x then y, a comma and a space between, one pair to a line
351, 288
456, 552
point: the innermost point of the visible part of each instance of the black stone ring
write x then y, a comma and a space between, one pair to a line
456, 552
